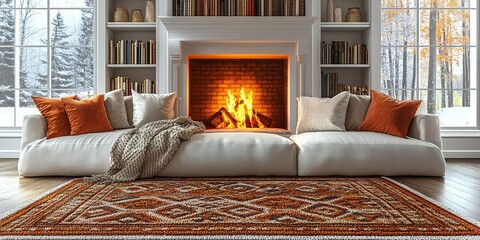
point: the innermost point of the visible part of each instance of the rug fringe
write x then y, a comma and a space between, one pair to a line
257, 237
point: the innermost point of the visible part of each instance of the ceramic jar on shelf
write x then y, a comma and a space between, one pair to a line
354, 15
329, 10
120, 15
137, 15
338, 14
150, 11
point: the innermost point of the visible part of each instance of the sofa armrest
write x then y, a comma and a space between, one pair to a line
426, 127
34, 128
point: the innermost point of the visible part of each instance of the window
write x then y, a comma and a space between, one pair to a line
46, 49
429, 52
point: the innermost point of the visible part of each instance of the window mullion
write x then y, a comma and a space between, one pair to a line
49, 53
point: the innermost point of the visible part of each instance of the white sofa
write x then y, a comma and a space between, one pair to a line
247, 153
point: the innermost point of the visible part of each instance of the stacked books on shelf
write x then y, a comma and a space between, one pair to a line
145, 86
132, 52
238, 8
331, 86
339, 52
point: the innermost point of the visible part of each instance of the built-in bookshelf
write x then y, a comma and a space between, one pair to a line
331, 86
345, 49
238, 8
129, 51
340, 52
126, 51
124, 83
365, 32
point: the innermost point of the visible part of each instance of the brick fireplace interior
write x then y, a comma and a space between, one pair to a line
210, 77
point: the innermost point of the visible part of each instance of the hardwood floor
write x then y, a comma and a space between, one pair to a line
459, 190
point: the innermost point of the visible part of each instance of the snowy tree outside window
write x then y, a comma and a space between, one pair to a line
46, 49
429, 52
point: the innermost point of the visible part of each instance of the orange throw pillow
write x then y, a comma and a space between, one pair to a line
87, 115
53, 110
386, 115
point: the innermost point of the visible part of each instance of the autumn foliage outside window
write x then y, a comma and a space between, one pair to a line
429, 52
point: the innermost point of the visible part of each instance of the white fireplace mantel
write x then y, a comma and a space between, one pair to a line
271, 34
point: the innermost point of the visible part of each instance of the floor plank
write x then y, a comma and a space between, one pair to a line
458, 190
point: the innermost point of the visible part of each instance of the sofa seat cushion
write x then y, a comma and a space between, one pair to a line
234, 154
366, 153
206, 154
79, 155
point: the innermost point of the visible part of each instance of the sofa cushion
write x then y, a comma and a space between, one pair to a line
79, 155
366, 153
356, 111
386, 115
53, 110
233, 154
206, 154
322, 114
116, 110
152, 107
87, 115
129, 107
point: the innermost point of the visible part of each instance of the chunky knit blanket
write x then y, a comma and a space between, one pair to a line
143, 152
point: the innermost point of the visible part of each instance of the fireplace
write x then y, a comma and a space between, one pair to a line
248, 40
216, 84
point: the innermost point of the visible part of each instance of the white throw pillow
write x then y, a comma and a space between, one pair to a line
322, 114
115, 107
152, 107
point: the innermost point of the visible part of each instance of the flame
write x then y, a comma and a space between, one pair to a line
242, 111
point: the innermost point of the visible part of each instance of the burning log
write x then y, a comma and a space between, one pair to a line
266, 121
222, 119
239, 114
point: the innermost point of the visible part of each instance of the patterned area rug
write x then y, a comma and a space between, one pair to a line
238, 208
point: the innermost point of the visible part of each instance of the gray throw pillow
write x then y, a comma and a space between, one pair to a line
129, 107
322, 114
152, 107
115, 107
356, 111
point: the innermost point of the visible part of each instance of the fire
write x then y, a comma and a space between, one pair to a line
242, 111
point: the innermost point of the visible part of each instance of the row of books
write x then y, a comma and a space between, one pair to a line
132, 52
124, 83
238, 8
339, 52
331, 86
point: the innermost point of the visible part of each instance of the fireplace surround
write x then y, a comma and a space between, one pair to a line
181, 37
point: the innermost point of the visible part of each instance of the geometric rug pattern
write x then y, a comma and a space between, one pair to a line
229, 207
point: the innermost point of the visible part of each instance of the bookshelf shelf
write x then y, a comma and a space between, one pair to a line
131, 65
132, 26
344, 43
115, 39
345, 65
345, 26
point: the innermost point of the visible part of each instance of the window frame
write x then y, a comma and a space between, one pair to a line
448, 130
15, 131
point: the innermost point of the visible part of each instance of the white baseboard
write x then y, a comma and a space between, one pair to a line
9, 154
461, 153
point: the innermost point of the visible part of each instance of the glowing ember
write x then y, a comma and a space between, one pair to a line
242, 111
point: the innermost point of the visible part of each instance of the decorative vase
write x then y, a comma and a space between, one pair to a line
354, 15
137, 15
120, 15
329, 10
338, 14
150, 11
